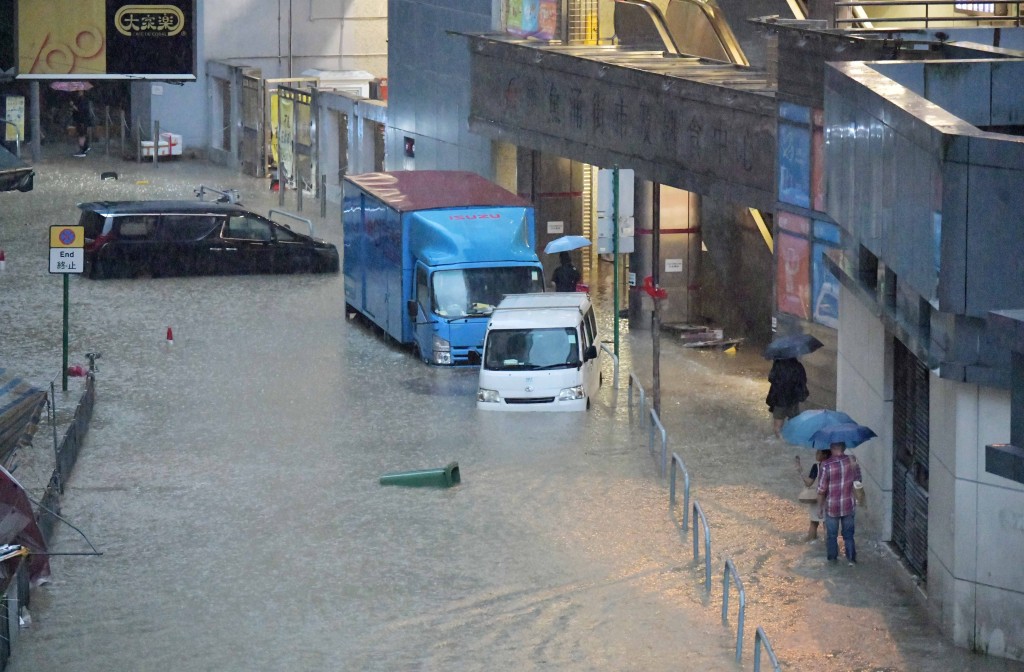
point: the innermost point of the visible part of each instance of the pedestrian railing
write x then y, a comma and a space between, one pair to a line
676, 460
698, 512
730, 570
759, 638
615, 364
656, 422
289, 215
635, 382
731, 574
115, 118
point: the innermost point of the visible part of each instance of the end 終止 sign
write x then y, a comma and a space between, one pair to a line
67, 249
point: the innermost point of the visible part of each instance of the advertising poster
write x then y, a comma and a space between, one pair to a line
14, 112
286, 140
92, 39
825, 290
793, 223
818, 160
532, 18
794, 165
792, 276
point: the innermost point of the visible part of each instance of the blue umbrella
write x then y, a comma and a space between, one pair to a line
791, 346
566, 243
849, 433
799, 429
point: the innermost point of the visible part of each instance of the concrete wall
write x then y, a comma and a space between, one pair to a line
975, 522
864, 391
429, 85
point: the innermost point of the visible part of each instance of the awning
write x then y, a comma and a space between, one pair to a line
15, 174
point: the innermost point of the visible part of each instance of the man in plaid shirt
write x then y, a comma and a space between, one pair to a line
836, 503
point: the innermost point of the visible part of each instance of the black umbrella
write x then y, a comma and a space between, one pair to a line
791, 346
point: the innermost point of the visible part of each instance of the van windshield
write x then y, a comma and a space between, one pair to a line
474, 292
531, 349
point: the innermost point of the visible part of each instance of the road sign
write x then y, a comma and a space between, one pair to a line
67, 249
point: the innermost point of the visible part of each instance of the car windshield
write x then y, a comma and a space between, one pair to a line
474, 292
531, 349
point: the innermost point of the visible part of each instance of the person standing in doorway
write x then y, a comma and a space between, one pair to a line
788, 387
566, 276
836, 503
82, 117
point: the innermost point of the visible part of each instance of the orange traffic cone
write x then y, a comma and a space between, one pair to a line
170, 336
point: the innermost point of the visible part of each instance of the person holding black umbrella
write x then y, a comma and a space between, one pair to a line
788, 387
84, 118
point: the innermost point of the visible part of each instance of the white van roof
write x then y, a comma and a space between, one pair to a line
544, 309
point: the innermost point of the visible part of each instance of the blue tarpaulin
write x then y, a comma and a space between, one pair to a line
21, 406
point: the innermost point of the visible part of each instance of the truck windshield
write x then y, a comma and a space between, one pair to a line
531, 349
474, 292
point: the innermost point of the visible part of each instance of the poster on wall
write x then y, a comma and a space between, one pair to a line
825, 289
532, 18
792, 276
794, 165
106, 39
286, 140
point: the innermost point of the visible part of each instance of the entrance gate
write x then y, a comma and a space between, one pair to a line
910, 458
253, 142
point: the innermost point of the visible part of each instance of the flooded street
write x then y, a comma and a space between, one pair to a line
230, 480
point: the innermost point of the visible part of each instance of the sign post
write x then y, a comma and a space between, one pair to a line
67, 255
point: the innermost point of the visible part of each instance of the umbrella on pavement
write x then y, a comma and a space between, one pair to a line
849, 433
566, 243
790, 346
799, 429
71, 86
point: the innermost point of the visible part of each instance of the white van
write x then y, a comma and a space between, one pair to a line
541, 353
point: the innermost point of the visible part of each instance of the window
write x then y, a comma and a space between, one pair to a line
422, 288
137, 227
188, 227
248, 227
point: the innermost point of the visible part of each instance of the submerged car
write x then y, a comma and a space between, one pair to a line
125, 239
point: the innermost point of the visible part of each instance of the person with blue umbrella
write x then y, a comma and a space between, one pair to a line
836, 502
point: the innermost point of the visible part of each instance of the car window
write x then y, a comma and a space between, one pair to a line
136, 227
284, 234
188, 227
248, 227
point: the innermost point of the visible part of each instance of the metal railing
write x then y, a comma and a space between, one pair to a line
686, 490
698, 512
656, 421
937, 14
730, 573
615, 363
226, 196
290, 215
634, 381
759, 638
730, 570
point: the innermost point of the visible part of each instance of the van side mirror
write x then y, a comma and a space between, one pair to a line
590, 353
410, 307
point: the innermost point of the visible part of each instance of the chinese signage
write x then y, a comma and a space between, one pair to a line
106, 39
67, 249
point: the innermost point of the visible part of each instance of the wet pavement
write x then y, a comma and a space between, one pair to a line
231, 482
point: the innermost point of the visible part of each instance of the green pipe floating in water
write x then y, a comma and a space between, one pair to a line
445, 477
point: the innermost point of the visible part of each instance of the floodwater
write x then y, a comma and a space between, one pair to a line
230, 480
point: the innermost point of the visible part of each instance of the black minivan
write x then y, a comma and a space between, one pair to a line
125, 239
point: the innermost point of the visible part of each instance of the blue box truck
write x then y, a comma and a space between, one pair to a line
428, 254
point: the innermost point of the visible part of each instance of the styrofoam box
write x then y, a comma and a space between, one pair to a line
170, 145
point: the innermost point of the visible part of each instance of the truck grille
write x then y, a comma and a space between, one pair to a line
529, 400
